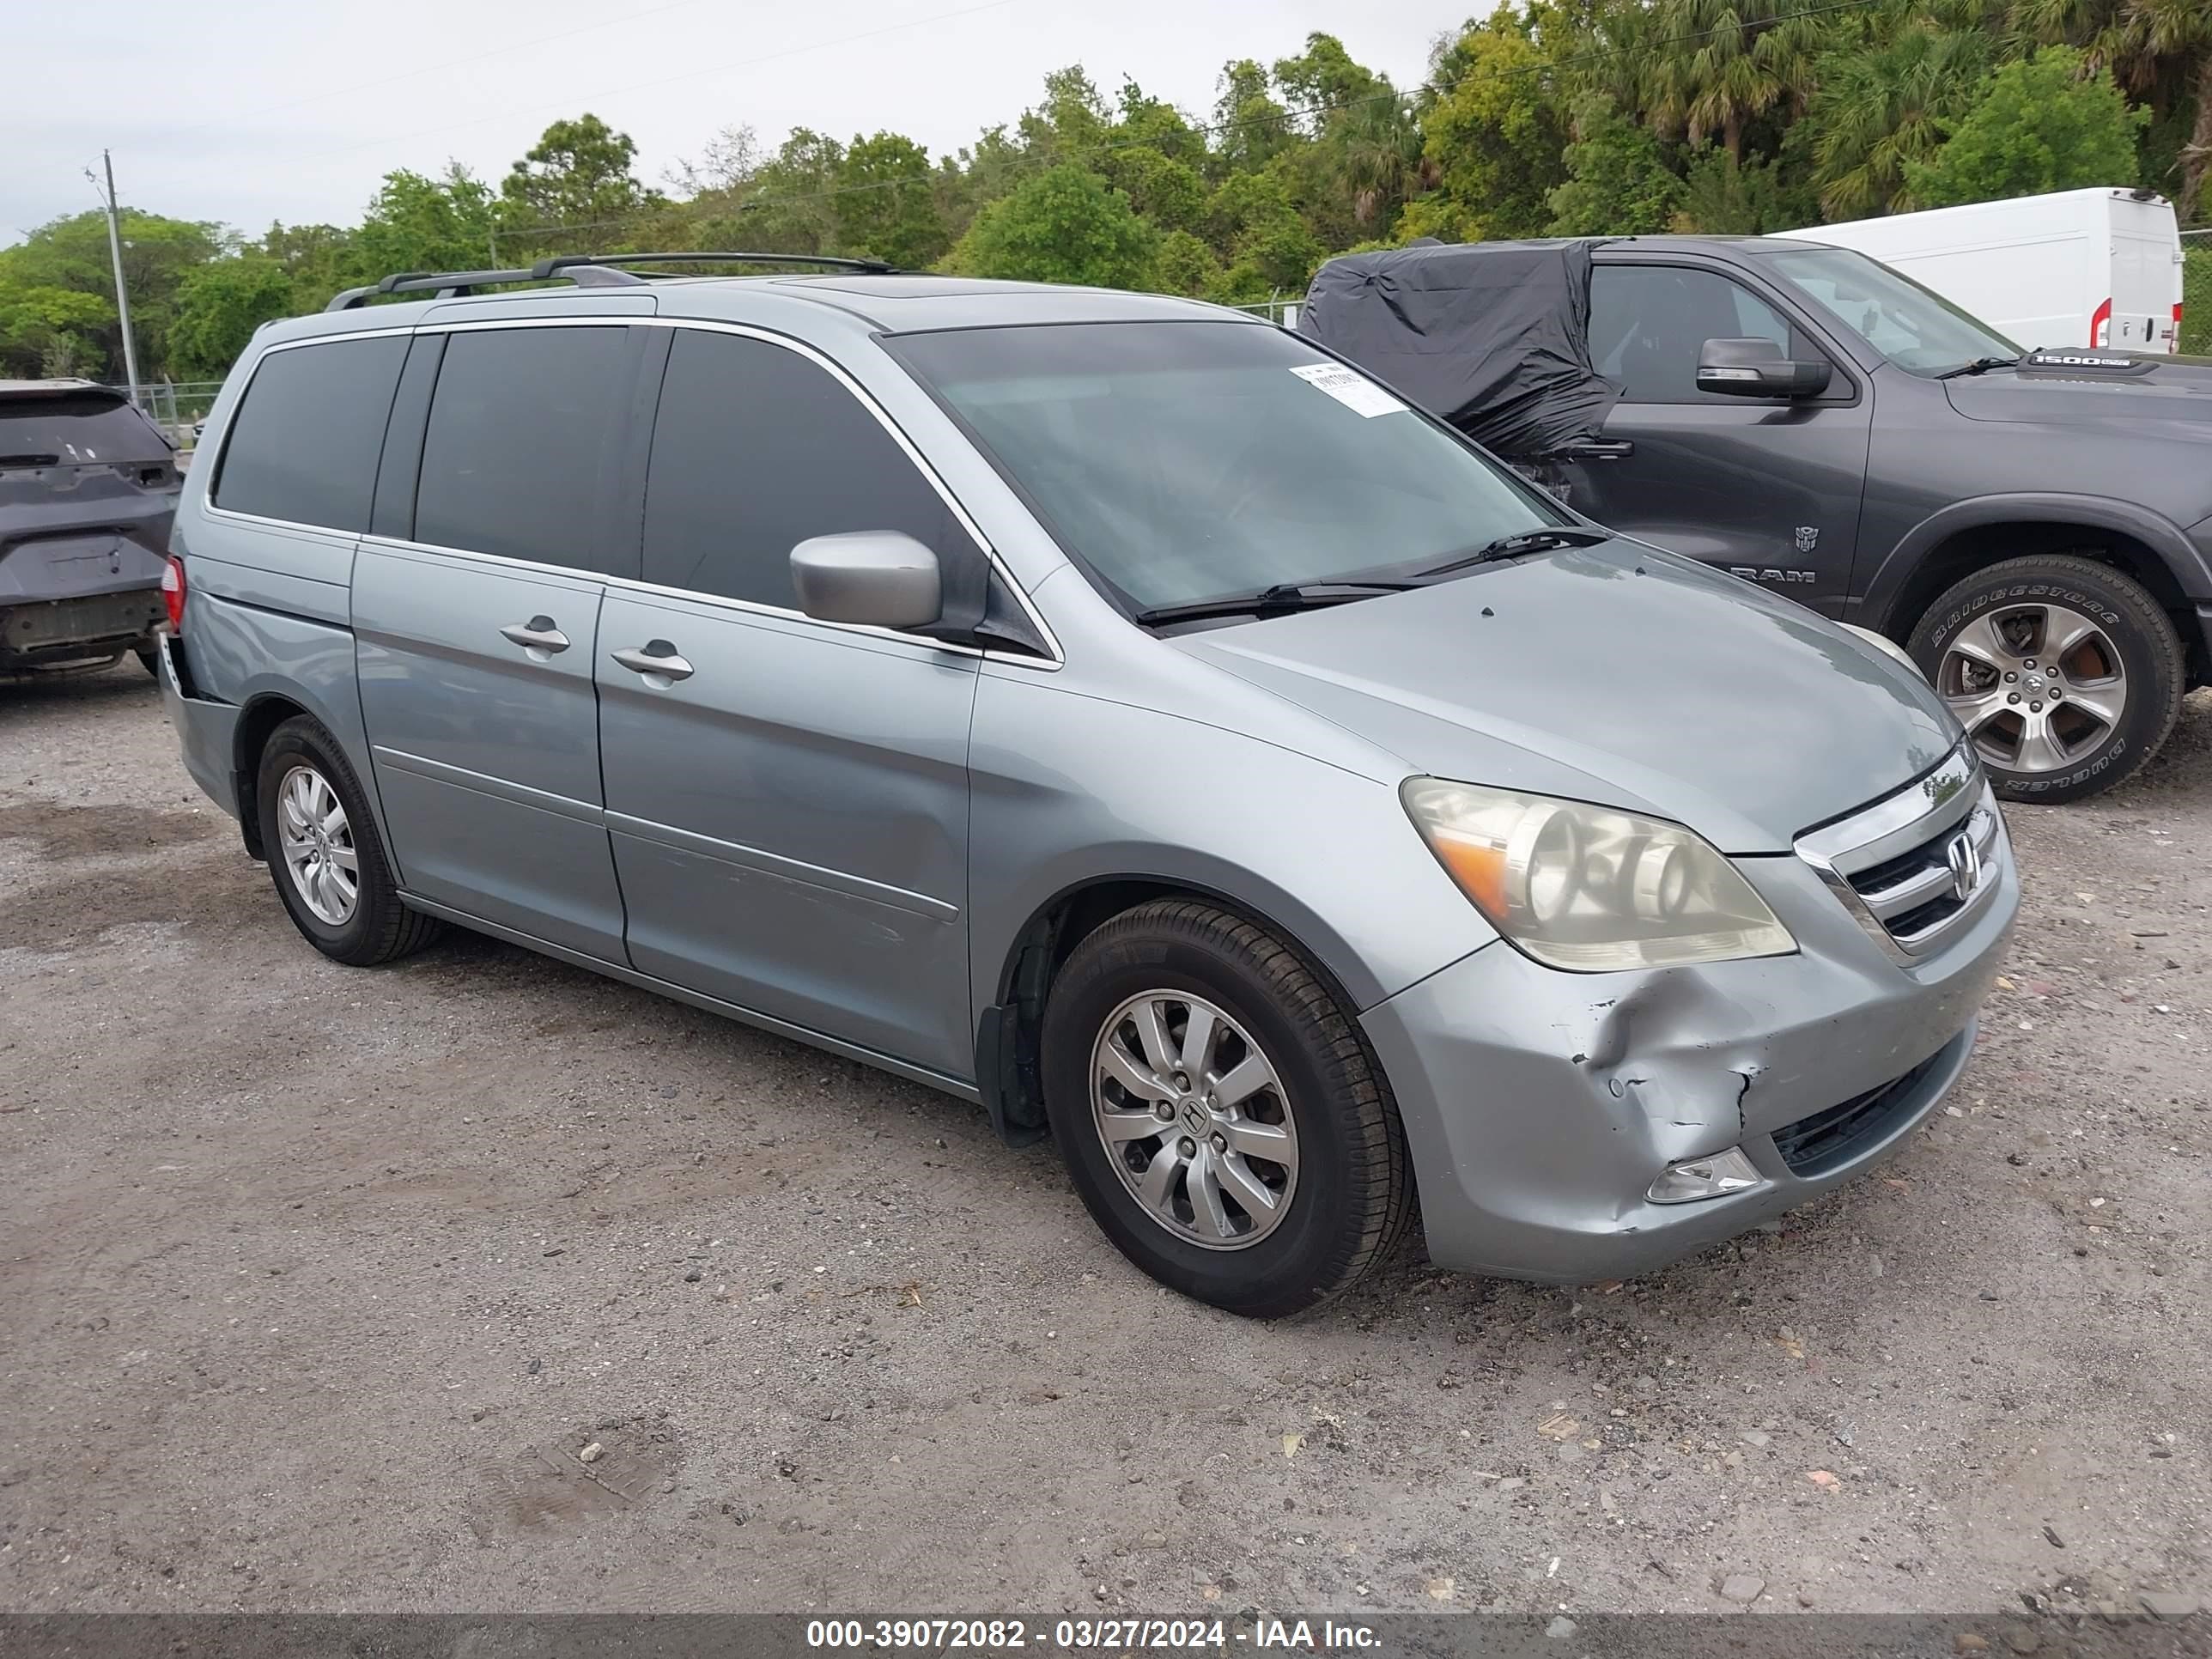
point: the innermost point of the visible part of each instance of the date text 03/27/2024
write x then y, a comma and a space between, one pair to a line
1078, 1635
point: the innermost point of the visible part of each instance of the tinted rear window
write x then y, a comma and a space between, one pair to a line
303, 446
756, 449
523, 455
75, 427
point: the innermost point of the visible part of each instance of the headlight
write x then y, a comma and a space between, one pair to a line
1588, 889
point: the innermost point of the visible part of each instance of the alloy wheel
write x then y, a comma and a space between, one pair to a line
318, 846
1194, 1120
2038, 686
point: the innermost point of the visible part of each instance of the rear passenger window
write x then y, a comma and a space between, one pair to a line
304, 443
756, 448
522, 456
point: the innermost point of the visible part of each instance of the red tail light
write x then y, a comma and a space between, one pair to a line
173, 592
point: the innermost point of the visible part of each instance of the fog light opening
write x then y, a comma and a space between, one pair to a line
1696, 1178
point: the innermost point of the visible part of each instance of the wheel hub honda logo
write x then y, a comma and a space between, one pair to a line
1965, 861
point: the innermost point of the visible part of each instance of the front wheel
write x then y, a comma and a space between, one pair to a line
1219, 1114
2065, 673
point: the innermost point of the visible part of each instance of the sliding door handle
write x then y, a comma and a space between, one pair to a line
657, 661
538, 636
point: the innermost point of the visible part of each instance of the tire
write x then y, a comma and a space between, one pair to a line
1347, 1197
2097, 726
147, 660
374, 927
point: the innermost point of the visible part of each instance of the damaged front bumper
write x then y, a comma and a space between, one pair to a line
1542, 1107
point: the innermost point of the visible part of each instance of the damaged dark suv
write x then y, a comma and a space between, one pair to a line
87, 488
2033, 527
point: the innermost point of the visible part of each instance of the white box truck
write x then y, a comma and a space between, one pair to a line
2076, 268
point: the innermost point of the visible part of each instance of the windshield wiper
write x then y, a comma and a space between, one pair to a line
1979, 366
1508, 547
1283, 596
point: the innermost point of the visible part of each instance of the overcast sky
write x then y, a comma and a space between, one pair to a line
252, 110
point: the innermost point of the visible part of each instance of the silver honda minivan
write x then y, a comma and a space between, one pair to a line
1107, 709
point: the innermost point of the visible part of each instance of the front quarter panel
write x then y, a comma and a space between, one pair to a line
1071, 788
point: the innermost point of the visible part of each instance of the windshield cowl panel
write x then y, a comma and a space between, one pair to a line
1177, 463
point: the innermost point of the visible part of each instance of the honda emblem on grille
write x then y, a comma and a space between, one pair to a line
1965, 861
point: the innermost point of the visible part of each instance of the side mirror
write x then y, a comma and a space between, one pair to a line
1757, 368
878, 578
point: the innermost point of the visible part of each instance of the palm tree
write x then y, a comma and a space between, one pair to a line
2158, 51
1883, 105
1719, 63
2177, 33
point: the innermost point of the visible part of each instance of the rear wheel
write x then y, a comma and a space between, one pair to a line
324, 854
1221, 1115
2065, 673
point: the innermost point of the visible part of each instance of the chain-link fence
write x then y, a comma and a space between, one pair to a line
178, 408
2197, 299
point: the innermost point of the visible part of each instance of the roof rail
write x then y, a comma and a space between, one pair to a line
586, 270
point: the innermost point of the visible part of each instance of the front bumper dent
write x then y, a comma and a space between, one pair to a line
1540, 1106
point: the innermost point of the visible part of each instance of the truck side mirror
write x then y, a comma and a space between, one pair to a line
1757, 368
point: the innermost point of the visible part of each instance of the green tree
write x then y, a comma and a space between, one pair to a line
71, 254
1184, 264
1717, 65
1494, 140
2159, 51
2042, 125
1064, 225
1166, 192
218, 308
1270, 248
415, 223
1250, 127
573, 189
317, 259
1882, 105
1617, 183
48, 331
885, 204
1722, 196
789, 204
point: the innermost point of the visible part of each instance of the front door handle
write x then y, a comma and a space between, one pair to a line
1599, 449
658, 662
538, 636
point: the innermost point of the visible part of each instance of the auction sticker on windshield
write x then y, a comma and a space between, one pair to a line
1355, 391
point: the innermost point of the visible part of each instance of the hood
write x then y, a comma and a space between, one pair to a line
2150, 397
1617, 674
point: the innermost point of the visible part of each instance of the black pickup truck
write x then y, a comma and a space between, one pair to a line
2033, 527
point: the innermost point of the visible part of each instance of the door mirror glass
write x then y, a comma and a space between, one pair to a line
877, 578
1757, 368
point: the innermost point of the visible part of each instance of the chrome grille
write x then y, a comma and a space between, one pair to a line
1916, 864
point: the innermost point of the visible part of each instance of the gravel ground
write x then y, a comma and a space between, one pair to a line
316, 1286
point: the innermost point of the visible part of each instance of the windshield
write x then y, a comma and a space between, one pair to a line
1921, 332
1182, 461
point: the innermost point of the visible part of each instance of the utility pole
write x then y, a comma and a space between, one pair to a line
122, 298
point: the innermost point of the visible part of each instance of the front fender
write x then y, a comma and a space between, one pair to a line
2189, 564
1070, 790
